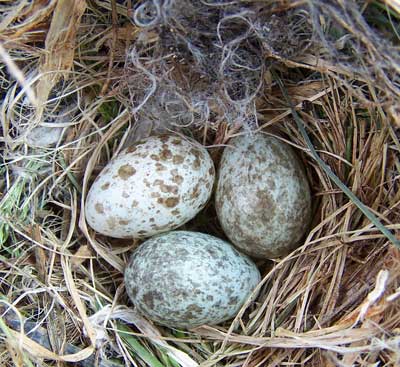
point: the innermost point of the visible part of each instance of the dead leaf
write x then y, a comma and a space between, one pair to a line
25, 17
81, 255
14, 353
60, 47
40, 254
39, 351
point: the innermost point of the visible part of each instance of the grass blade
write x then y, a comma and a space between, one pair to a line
357, 202
137, 347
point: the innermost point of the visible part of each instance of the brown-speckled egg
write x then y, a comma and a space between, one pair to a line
154, 186
185, 279
263, 198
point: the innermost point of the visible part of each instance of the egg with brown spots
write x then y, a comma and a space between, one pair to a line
185, 279
153, 186
262, 199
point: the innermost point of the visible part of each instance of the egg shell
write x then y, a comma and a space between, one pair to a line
185, 279
154, 186
263, 198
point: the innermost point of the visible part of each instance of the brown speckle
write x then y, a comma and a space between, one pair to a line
178, 179
155, 194
126, 171
123, 222
197, 158
160, 167
150, 297
280, 157
261, 158
211, 251
154, 157
177, 141
265, 205
105, 186
169, 189
271, 184
196, 192
166, 188
177, 159
134, 204
169, 202
134, 291
131, 149
165, 154
111, 222
192, 311
99, 208
164, 138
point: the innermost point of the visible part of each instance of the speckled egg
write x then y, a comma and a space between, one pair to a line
263, 199
185, 279
154, 186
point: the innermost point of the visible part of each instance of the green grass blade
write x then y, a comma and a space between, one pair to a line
12, 205
361, 206
137, 347
70, 175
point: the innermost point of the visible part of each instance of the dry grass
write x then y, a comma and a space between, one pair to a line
335, 301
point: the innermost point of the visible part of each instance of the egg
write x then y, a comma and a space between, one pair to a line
153, 186
185, 279
263, 199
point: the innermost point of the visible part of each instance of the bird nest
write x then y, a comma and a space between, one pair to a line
80, 80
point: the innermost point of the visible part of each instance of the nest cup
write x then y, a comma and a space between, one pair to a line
321, 76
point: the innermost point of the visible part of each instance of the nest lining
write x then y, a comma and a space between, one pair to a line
206, 69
